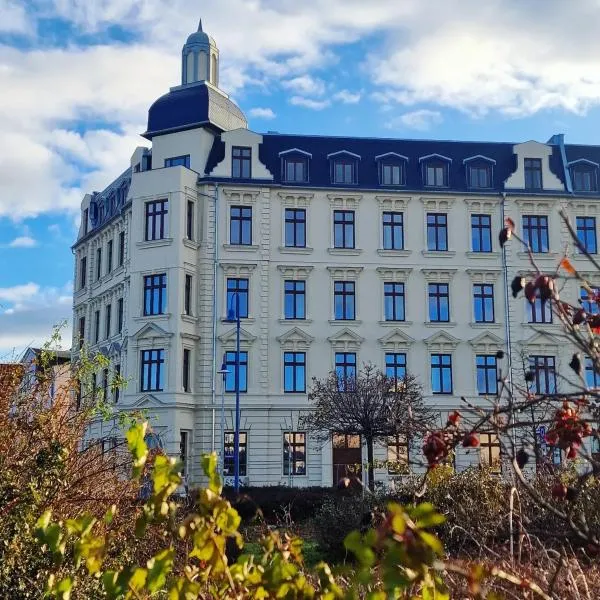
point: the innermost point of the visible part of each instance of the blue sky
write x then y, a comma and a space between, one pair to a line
77, 78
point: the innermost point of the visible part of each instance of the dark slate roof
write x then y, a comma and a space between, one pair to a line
110, 202
191, 106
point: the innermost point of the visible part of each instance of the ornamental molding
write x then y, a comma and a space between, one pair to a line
295, 339
438, 275
396, 340
241, 196
584, 208
487, 343
535, 206
481, 205
151, 332
393, 202
228, 339
540, 342
345, 273
440, 203
344, 201
238, 269
441, 342
345, 340
393, 274
295, 199
295, 271
484, 275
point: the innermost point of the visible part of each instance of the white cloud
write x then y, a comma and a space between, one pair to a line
308, 103
305, 85
14, 17
23, 241
347, 97
261, 113
418, 119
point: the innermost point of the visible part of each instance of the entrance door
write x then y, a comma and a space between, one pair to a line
347, 456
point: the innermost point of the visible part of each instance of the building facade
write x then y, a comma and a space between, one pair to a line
340, 250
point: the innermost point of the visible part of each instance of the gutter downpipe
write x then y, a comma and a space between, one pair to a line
214, 315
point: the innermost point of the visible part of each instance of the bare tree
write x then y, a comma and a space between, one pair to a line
369, 404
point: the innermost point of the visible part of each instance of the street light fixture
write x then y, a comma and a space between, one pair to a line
223, 371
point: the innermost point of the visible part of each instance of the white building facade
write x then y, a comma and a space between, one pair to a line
341, 251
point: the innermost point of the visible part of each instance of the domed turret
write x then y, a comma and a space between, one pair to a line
200, 59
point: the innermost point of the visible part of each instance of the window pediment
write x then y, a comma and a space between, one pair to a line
479, 158
484, 276
392, 202
344, 201
396, 340
295, 271
292, 200
438, 275
295, 339
441, 342
487, 343
343, 154
391, 157
228, 339
435, 157
293, 151
540, 342
151, 331
235, 196
345, 273
238, 269
393, 274
345, 340
437, 204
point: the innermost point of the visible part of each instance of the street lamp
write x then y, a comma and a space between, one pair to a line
223, 371
234, 316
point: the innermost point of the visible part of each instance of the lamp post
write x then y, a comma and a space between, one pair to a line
231, 317
223, 371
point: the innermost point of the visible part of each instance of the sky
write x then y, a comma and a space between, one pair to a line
77, 78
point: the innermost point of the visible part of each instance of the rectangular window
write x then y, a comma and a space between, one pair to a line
230, 376
345, 369
441, 373
395, 365
584, 179
120, 314
189, 220
86, 216
98, 263
439, 303
187, 296
397, 455
107, 323
295, 170
344, 301
392, 174
535, 232
589, 301
186, 369
229, 454
437, 231
592, 377
393, 231
483, 302
105, 385
343, 229
96, 326
490, 452
184, 451
240, 225
539, 312
109, 256
544, 374
237, 292
121, 248
481, 233
344, 171
153, 367
178, 161
533, 173
294, 372
436, 175
294, 302
82, 272
155, 294
294, 453
117, 386
241, 162
393, 298
480, 176
586, 233
81, 331
156, 220
487, 374
295, 228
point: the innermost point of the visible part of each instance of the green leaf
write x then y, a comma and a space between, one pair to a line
110, 514
137, 446
158, 568
432, 541
63, 588
209, 466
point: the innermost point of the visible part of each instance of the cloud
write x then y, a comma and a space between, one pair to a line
14, 17
308, 103
305, 85
261, 113
23, 241
347, 97
419, 119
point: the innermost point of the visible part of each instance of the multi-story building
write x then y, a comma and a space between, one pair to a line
341, 250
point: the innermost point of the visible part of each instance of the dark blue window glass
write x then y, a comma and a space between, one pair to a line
544, 374
344, 305
294, 372
395, 365
230, 376
533, 173
229, 447
437, 231
539, 312
153, 366
343, 229
241, 162
481, 233
393, 294
294, 299
584, 179
480, 176
176, 161
393, 231
239, 287
535, 232
439, 302
592, 377
295, 227
487, 374
441, 373
155, 294
586, 233
345, 369
483, 300
240, 225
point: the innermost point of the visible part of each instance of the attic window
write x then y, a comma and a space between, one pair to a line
583, 176
533, 173
435, 171
479, 175
178, 161
344, 167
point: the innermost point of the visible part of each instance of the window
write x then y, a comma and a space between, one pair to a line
107, 323
436, 174
186, 369
490, 452
240, 225
98, 263
183, 451
343, 229
82, 272
86, 216
294, 453
441, 373
96, 326
109, 256
535, 232
237, 292
481, 233
487, 374
345, 171
395, 365
241, 162
345, 369
539, 312
121, 248
295, 170
439, 303
393, 231
120, 314
156, 219
586, 233
592, 377
393, 297
397, 455
544, 374
589, 301
155, 294
81, 331
533, 173
189, 220
391, 174
187, 296
229, 453
294, 302
230, 376
295, 228
117, 385
294, 372
343, 300
584, 179
437, 231
178, 161
105, 384
153, 366
480, 176
483, 302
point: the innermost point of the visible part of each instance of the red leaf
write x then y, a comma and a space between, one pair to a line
565, 263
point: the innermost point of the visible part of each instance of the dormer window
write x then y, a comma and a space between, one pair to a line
533, 173
479, 171
178, 161
294, 165
241, 162
435, 170
584, 176
344, 167
392, 169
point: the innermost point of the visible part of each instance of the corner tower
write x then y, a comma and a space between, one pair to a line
200, 59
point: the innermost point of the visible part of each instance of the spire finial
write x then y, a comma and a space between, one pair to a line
200, 25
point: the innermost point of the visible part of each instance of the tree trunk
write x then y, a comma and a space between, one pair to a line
370, 462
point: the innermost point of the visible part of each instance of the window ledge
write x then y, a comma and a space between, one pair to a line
440, 324
161, 317
580, 256
482, 255
295, 250
383, 252
248, 320
438, 253
240, 247
478, 325
396, 323
346, 251
189, 319
154, 243
295, 321
190, 244
537, 255
345, 322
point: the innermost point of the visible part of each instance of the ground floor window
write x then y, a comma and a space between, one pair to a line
397, 455
294, 453
229, 447
489, 445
